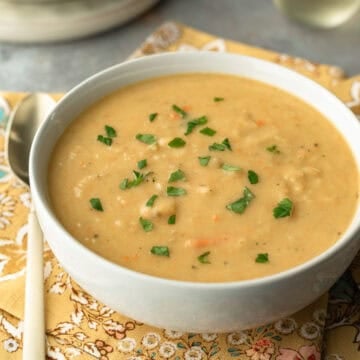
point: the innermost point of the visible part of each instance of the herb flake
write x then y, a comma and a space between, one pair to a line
160, 251
191, 125
228, 167
208, 131
96, 204
240, 205
177, 143
151, 201
283, 209
172, 219
204, 160
110, 131
218, 99
179, 110
273, 149
203, 258
147, 225
142, 164
253, 177
262, 258
175, 191
105, 140
146, 138
222, 146
153, 116
176, 176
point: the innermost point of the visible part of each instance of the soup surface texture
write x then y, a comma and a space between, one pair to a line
203, 177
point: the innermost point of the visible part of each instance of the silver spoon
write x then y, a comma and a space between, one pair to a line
21, 129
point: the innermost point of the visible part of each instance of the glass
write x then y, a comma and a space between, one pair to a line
320, 13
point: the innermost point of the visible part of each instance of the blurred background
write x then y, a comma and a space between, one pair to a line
51, 45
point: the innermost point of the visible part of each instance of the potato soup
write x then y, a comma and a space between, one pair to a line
203, 177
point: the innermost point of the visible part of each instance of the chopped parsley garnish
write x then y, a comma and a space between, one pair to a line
176, 176
253, 177
283, 209
172, 219
241, 204
228, 167
221, 147
208, 131
96, 204
150, 202
160, 251
204, 160
110, 131
138, 179
179, 110
177, 143
273, 149
226, 142
147, 225
262, 258
217, 99
105, 140
203, 258
142, 164
153, 116
174, 191
191, 125
146, 138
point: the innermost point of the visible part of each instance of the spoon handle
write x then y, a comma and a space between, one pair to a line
34, 322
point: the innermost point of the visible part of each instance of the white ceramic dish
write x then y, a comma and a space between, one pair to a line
40, 21
187, 306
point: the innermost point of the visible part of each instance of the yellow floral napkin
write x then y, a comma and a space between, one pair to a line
79, 327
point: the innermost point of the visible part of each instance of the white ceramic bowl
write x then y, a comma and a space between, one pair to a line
187, 306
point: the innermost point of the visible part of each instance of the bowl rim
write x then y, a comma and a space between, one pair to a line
44, 206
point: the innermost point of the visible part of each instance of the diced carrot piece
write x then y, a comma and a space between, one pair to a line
260, 123
215, 217
186, 108
174, 116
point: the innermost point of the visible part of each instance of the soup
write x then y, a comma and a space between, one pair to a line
203, 177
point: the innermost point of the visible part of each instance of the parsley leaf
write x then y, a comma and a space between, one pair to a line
241, 204
177, 143
147, 225
204, 160
110, 131
217, 99
262, 258
153, 116
105, 140
194, 123
221, 147
174, 191
142, 163
203, 258
146, 138
253, 177
208, 131
96, 204
273, 149
176, 176
172, 219
138, 179
160, 251
151, 201
228, 167
179, 110
283, 209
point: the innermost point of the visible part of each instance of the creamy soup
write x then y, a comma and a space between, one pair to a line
203, 177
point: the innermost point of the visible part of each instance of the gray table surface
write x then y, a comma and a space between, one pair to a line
58, 67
